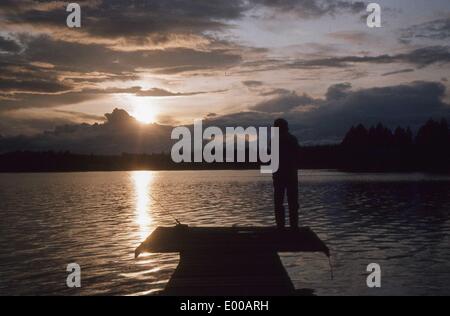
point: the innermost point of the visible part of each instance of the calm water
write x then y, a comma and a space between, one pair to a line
401, 222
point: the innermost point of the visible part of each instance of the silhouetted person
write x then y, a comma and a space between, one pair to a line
285, 180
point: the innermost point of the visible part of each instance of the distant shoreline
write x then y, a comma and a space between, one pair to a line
377, 149
333, 157
201, 170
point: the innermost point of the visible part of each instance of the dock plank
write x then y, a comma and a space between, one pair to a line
255, 239
239, 261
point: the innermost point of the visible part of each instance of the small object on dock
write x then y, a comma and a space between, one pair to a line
230, 260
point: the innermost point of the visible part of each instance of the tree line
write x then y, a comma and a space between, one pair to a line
431, 134
376, 149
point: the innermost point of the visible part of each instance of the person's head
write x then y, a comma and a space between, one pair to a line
282, 124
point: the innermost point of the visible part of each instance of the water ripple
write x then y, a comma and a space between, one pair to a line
400, 221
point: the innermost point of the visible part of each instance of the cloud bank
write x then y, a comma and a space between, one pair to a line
325, 122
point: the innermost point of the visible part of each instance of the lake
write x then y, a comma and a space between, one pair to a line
48, 220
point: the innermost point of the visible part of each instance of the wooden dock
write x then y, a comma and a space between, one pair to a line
230, 260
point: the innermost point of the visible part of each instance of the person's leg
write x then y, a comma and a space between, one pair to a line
292, 195
279, 189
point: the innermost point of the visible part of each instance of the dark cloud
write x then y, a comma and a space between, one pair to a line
276, 91
426, 56
81, 115
244, 118
252, 83
402, 71
37, 94
153, 92
51, 73
69, 56
435, 30
101, 52
8, 45
122, 40
284, 103
16, 124
136, 20
156, 92
313, 8
94, 78
33, 100
27, 126
330, 118
421, 57
15, 85
157, 20
338, 91
406, 105
31, 86
21, 77
418, 98
119, 133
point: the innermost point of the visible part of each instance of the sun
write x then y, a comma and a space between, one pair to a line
144, 114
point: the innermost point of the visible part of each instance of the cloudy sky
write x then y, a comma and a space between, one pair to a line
236, 62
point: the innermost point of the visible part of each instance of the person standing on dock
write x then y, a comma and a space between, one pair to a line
285, 180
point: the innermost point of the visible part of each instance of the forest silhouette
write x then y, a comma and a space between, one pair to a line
374, 149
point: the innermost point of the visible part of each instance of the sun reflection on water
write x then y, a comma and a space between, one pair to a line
142, 185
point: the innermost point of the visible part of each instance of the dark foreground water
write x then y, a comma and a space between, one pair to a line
400, 221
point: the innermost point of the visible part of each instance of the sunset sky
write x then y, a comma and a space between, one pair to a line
233, 62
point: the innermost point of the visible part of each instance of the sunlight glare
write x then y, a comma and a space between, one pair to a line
142, 185
144, 113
